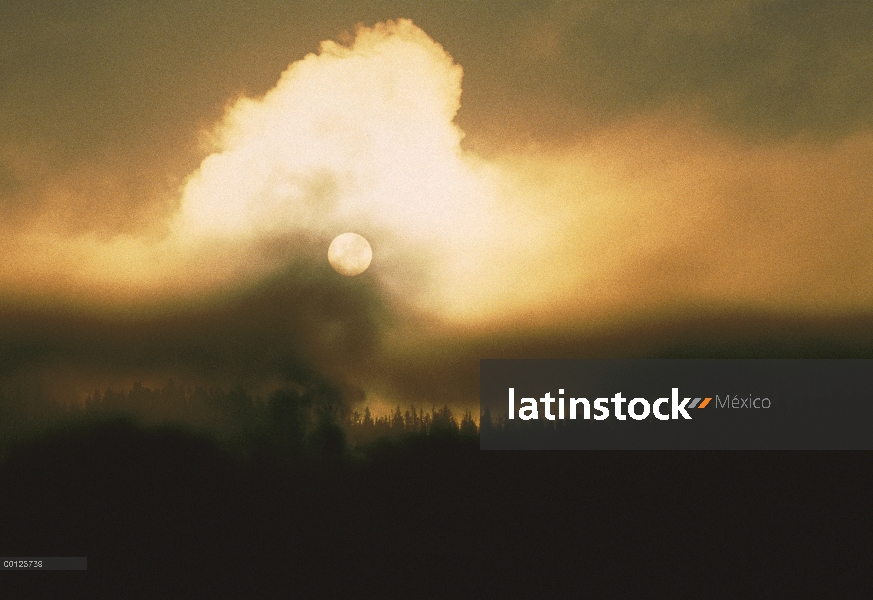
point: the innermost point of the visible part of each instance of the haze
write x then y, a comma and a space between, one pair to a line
171, 177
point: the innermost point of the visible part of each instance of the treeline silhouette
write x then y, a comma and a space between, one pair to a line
364, 428
297, 418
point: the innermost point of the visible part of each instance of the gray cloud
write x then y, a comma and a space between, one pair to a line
302, 317
765, 68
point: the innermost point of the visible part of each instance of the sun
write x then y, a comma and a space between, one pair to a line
349, 254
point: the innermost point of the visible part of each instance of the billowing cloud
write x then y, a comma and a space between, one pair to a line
356, 138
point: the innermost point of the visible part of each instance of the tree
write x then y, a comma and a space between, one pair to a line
444, 421
468, 426
397, 421
485, 423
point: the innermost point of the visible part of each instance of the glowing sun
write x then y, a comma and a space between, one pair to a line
349, 254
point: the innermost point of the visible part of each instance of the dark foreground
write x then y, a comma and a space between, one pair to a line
162, 513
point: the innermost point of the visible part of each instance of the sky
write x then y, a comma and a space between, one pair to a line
535, 179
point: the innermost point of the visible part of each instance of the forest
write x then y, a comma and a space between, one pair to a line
307, 419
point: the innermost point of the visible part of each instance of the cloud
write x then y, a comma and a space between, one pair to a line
355, 138
662, 210
301, 319
373, 119
764, 69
